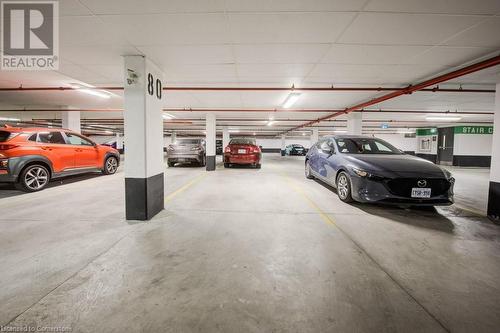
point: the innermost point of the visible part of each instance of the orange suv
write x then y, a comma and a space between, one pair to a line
31, 157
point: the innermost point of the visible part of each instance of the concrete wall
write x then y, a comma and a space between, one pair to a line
399, 141
473, 145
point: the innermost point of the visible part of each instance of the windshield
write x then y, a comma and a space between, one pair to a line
365, 146
187, 142
4, 136
242, 141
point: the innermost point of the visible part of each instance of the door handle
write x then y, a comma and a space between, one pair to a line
46, 148
79, 150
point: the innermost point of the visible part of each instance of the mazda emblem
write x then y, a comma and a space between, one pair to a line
422, 183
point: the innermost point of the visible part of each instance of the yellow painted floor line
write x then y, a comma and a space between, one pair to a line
300, 191
184, 187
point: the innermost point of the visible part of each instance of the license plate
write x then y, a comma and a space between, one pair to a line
420, 192
242, 151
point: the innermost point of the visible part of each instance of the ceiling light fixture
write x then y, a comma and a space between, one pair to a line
443, 118
9, 119
90, 90
270, 123
290, 100
167, 116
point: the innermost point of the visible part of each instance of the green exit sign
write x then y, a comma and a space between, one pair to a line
473, 130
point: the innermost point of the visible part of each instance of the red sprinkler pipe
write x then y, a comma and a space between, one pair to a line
410, 89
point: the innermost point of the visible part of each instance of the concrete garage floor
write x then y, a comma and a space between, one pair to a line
243, 250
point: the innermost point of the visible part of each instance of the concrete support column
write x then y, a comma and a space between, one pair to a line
144, 193
210, 141
119, 142
71, 120
355, 123
283, 144
225, 137
494, 193
173, 137
314, 136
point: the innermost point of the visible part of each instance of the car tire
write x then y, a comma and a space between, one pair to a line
170, 164
344, 189
308, 171
258, 166
227, 165
110, 165
33, 178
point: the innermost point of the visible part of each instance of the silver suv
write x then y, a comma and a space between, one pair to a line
186, 151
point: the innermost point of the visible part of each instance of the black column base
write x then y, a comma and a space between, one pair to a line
494, 202
283, 152
210, 163
144, 197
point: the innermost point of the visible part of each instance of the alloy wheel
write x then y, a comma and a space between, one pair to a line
111, 165
36, 178
342, 186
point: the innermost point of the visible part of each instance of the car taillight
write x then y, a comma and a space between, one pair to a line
7, 147
227, 150
256, 149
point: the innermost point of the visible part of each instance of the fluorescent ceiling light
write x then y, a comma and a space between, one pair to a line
290, 100
443, 118
340, 131
90, 90
270, 123
9, 119
303, 133
167, 116
234, 131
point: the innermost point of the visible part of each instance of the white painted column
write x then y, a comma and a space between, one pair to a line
71, 120
144, 193
173, 137
225, 137
314, 136
283, 144
119, 141
494, 193
210, 141
355, 123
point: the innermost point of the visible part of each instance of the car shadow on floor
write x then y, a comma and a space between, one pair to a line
419, 216
9, 190
242, 166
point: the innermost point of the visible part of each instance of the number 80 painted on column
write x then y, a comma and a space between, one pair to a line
152, 85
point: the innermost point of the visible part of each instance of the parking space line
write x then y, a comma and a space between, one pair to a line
172, 195
331, 221
300, 191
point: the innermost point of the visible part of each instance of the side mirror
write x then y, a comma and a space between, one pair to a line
330, 151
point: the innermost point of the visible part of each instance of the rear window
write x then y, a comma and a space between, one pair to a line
242, 141
187, 141
4, 136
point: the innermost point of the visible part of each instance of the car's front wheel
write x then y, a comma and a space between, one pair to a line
34, 178
344, 189
110, 165
308, 171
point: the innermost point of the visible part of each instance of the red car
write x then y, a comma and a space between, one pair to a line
242, 151
31, 157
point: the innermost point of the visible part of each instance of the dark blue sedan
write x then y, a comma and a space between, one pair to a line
367, 169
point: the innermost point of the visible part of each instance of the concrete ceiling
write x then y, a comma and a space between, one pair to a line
269, 43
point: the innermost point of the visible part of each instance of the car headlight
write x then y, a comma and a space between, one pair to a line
360, 172
448, 174
4, 163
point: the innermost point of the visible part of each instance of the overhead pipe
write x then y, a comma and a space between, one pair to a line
332, 88
491, 62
